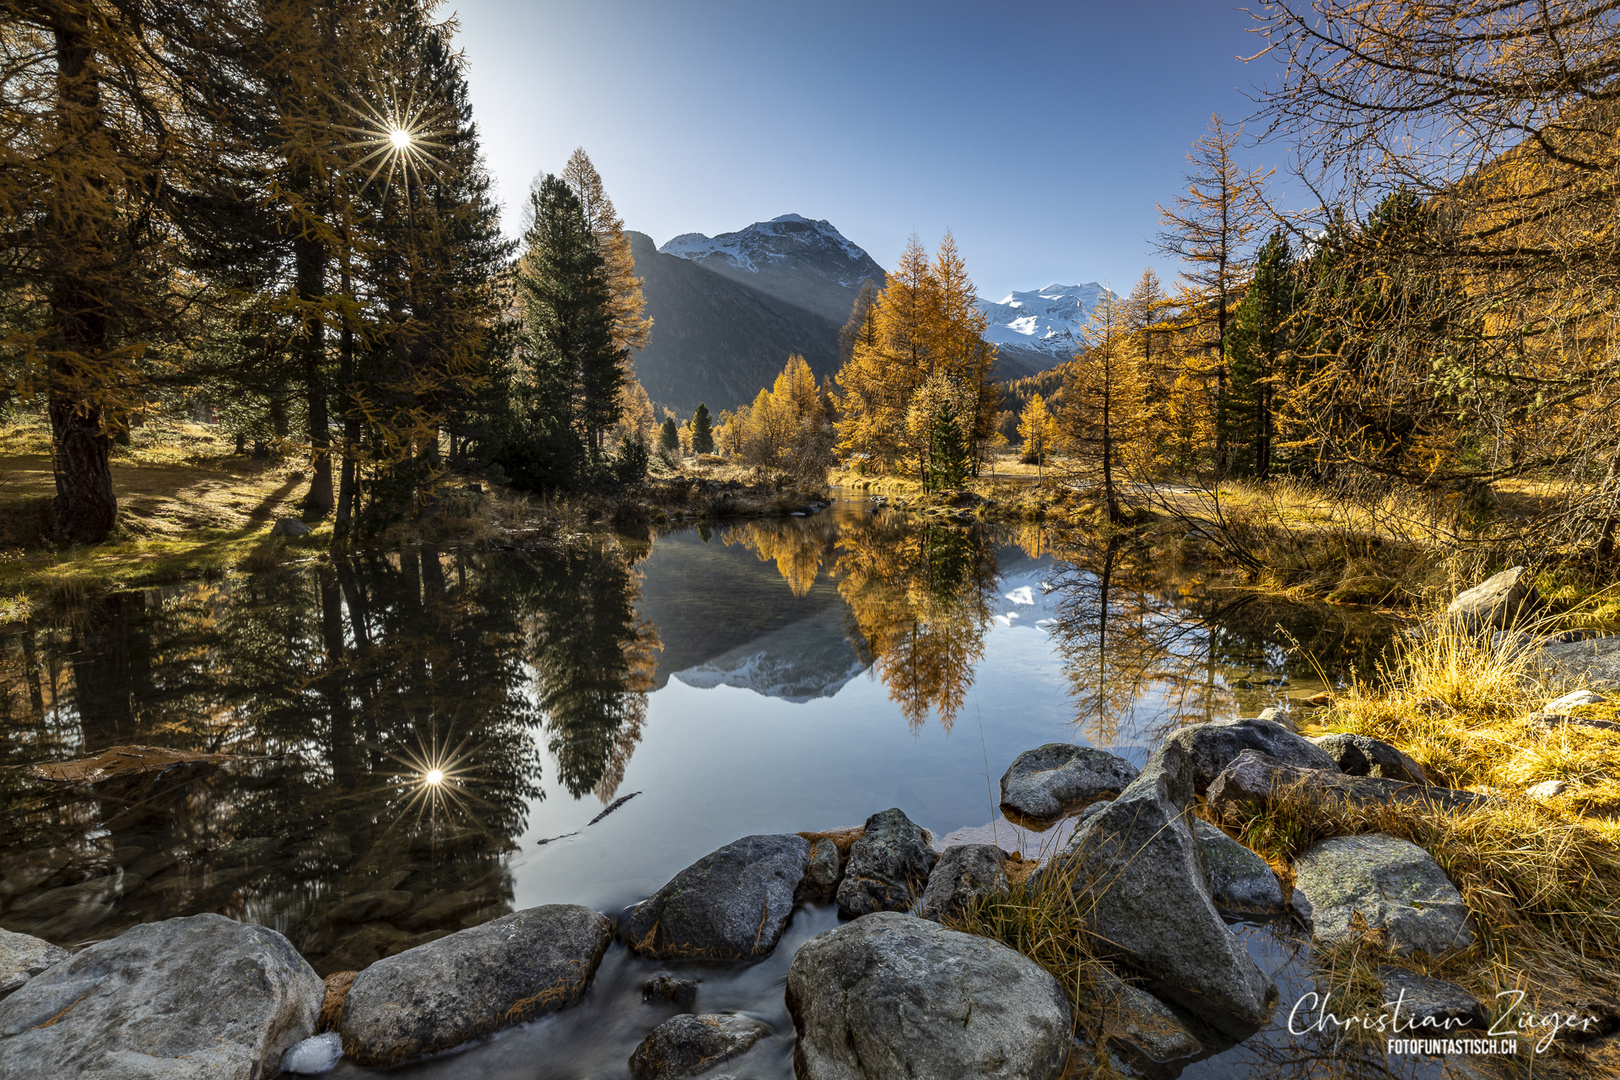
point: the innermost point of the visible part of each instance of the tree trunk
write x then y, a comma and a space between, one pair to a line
310, 270
86, 508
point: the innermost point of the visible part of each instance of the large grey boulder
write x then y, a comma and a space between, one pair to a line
1051, 781
893, 997
1595, 660
1143, 880
198, 998
504, 972
1496, 603
963, 873
1392, 884
888, 866
1425, 1007
22, 957
729, 905
1213, 746
1254, 780
688, 1045
290, 527
1361, 755
1240, 881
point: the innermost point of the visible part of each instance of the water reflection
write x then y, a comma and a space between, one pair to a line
346, 684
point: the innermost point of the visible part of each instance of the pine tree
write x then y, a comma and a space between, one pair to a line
1258, 346
1209, 229
669, 438
702, 431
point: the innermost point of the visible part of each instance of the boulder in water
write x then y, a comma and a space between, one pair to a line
688, 1045
732, 904
1213, 746
1051, 781
22, 957
888, 866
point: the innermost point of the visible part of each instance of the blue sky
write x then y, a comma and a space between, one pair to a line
1042, 135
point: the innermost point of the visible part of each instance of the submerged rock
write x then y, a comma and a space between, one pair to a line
888, 866
963, 873
441, 994
1360, 755
1496, 603
732, 904
666, 987
1392, 884
892, 996
1239, 880
1144, 882
22, 957
1429, 1007
1051, 781
1255, 780
1213, 746
688, 1045
198, 998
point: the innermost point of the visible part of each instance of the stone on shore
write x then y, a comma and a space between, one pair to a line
1596, 660
1361, 755
1254, 780
893, 997
1392, 884
1429, 1007
1057, 779
688, 1045
1134, 1016
1240, 881
666, 987
1496, 603
1144, 880
1215, 745
290, 527
888, 866
198, 998
504, 972
22, 957
963, 873
732, 904
825, 868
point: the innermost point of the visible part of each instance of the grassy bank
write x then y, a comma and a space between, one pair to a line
190, 508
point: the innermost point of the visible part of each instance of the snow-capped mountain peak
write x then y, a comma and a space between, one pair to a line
1046, 320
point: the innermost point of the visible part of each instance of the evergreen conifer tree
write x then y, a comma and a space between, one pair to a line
669, 437
1258, 347
702, 431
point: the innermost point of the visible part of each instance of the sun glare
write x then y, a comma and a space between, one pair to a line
400, 138
434, 777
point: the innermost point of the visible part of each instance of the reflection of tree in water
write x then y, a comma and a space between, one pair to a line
1128, 629
594, 662
353, 678
920, 596
800, 547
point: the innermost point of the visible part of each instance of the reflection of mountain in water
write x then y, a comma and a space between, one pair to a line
727, 618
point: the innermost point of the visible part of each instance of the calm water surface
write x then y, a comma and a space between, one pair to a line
762, 677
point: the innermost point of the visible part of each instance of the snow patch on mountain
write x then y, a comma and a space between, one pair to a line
1047, 320
783, 239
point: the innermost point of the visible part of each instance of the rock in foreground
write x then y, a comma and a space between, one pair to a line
199, 998
1142, 876
1239, 880
893, 997
441, 994
1391, 883
963, 873
1051, 781
888, 866
689, 1045
1213, 746
1496, 603
22, 957
1432, 1007
1359, 755
1255, 780
732, 904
